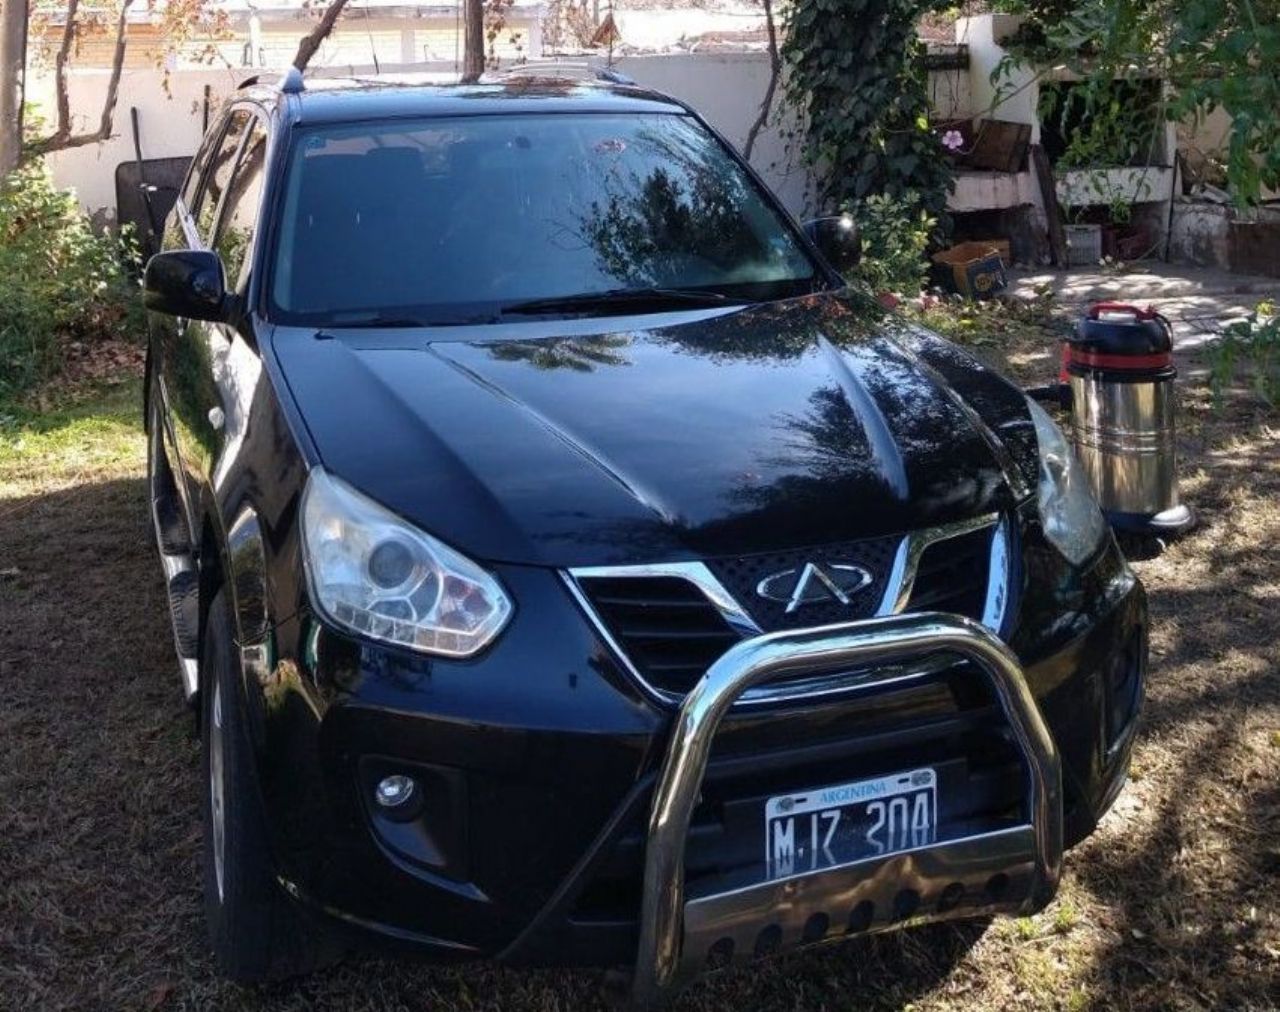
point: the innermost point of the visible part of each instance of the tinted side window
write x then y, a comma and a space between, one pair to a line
219, 174
197, 170
174, 236
240, 211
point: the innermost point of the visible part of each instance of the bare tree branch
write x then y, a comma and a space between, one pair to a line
117, 66
775, 72
63, 128
311, 43
62, 138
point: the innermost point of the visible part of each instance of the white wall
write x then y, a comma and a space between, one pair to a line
1014, 97
170, 123
726, 88
170, 118
657, 29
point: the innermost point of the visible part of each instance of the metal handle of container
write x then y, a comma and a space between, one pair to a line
1098, 308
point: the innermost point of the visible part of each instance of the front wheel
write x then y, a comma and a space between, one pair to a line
257, 932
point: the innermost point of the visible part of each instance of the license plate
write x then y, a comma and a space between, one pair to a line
830, 826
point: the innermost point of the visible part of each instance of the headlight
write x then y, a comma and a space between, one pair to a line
1068, 511
371, 572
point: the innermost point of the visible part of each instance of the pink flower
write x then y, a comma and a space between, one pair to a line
953, 140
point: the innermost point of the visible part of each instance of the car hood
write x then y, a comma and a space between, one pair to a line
724, 432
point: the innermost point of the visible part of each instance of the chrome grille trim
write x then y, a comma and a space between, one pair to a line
896, 599
691, 572
902, 579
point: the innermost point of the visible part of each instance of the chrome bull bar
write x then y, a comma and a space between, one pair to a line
1014, 869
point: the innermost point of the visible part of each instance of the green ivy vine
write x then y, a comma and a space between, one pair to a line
856, 73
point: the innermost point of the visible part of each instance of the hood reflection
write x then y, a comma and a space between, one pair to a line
808, 421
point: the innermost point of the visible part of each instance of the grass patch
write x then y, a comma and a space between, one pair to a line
96, 433
1066, 916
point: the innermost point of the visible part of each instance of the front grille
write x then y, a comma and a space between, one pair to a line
669, 628
742, 576
952, 576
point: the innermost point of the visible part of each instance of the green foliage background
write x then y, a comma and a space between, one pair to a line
895, 235
59, 278
1213, 54
857, 75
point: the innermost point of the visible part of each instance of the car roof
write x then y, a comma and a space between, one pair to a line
354, 99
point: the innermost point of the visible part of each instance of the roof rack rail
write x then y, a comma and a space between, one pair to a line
578, 70
290, 82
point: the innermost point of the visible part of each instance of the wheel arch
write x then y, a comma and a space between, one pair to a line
237, 561
211, 569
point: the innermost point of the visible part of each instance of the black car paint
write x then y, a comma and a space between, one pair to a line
804, 422
792, 424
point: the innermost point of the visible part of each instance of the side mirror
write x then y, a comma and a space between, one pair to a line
188, 283
837, 240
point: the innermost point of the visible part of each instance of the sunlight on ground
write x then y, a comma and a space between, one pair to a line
79, 443
1170, 906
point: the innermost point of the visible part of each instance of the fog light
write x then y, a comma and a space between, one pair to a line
396, 792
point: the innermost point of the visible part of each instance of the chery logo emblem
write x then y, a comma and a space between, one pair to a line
814, 584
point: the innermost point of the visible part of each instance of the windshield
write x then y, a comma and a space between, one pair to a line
462, 219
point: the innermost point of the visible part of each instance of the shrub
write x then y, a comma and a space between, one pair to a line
895, 234
60, 279
1250, 346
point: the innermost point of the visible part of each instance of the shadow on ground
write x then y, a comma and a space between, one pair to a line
99, 808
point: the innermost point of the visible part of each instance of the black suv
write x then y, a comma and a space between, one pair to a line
568, 567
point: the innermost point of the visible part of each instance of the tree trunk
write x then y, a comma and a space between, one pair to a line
473, 41
311, 43
13, 50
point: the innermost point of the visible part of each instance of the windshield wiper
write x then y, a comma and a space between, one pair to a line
372, 320
620, 297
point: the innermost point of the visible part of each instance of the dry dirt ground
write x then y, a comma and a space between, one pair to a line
1173, 904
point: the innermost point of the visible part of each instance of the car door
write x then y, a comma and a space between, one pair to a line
164, 331
202, 362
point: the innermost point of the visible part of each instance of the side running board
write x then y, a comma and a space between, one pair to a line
182, 581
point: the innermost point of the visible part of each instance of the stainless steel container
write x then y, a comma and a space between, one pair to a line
1124, 412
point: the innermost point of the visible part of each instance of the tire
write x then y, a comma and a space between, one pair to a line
258, 933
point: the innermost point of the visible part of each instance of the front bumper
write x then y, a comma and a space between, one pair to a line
1013, 869
544, 787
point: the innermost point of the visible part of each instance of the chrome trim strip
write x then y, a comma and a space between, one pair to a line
171, 565
999, 578
691, 572
765, 658
907, 561
602, 630
896, 598
872, 885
